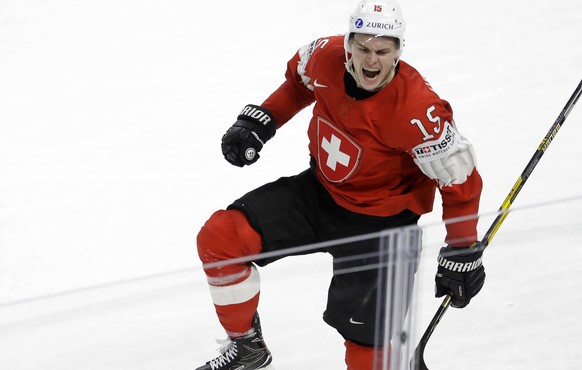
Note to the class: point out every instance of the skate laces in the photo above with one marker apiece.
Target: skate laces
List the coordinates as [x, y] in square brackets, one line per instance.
[228, 352]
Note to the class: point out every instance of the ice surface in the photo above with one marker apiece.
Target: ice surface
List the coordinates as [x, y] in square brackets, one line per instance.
[110, 119]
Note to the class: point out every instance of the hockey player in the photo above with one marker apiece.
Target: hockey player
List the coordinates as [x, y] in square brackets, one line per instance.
[381, 142]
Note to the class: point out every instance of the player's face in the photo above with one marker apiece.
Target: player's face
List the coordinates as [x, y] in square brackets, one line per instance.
[373, 60]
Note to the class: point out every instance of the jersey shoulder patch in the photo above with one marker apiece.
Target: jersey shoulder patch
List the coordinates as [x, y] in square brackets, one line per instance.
[306, 53]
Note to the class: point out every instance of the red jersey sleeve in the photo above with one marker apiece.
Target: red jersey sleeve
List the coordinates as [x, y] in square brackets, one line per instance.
[460, 209]
[437, 137]
[293, 95]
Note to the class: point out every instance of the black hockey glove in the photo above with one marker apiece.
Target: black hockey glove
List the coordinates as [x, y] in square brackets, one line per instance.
[243, 141]
[460, 273]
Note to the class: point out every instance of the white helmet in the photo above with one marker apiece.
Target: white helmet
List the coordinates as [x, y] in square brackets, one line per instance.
[379, 18]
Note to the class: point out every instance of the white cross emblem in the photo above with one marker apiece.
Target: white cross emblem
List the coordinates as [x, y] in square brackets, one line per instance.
[338, 155]
[335, 155]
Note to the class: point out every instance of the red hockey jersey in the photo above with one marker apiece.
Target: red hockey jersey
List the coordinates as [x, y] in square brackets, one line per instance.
[364, 149]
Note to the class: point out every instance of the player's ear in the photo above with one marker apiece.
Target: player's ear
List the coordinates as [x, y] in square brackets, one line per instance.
[349, 47]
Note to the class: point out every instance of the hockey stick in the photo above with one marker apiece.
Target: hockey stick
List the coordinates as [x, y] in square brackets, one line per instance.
[418, 358]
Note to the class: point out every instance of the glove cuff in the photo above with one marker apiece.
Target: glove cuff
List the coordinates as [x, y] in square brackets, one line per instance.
[260, 116]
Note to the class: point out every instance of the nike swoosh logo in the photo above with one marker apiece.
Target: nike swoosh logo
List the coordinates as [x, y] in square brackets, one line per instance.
[316, 84]
[352, 321]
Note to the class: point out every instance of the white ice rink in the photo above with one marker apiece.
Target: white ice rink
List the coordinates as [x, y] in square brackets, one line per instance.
[111, 113]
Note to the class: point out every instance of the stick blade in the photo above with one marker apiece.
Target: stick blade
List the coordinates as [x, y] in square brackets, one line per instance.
[417, 361]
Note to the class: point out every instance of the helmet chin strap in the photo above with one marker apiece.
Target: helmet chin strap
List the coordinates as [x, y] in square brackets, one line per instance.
[350, 69]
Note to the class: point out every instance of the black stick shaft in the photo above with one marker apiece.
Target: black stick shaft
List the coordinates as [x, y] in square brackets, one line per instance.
[533, 162]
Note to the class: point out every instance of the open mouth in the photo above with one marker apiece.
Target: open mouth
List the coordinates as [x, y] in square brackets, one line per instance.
[370, 73]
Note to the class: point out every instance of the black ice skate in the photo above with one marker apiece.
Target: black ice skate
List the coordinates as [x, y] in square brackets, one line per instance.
[245, 353]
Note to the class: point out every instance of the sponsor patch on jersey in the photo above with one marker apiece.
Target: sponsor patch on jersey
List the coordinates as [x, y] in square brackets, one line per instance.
[305, 53]
[444, 146]
[338, 155]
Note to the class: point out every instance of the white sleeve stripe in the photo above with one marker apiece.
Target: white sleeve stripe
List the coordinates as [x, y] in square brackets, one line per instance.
[237, 293]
